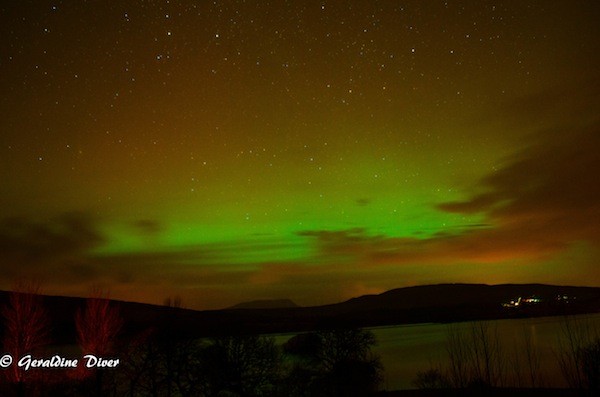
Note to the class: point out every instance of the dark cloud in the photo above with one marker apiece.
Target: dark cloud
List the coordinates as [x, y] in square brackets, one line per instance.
[362, 202]
[62, 253]
[544, 201]
[79, 272]
[335, 235]
[343, 244]
[24, 242]
[550, 185]
[541, 204]
[148, 227]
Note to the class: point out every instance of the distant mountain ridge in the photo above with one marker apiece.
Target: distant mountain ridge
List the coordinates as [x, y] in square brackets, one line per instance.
[449, 295]
[420, 304]
[266, 304]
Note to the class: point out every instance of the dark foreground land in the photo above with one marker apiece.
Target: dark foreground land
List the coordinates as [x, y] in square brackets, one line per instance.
[500, 392]
[442, 303]
[169, 350]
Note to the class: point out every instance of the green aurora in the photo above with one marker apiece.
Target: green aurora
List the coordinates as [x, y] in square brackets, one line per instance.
[231, 151]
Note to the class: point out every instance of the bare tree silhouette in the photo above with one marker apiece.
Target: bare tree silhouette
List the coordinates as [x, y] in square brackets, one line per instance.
[97, 325]
[579, 353]
[27, 329]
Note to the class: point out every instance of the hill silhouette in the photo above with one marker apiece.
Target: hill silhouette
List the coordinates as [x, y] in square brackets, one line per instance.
[266, 304]
[453, 295]
[431, 303]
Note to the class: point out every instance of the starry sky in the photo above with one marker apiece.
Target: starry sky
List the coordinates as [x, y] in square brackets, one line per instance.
[226, 151]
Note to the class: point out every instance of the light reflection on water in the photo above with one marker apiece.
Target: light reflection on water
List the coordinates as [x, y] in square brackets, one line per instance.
[406, 350]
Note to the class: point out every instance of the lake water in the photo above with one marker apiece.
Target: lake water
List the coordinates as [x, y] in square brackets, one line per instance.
[406, 350]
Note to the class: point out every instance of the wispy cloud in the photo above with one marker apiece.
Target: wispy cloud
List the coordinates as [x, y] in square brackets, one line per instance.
[542, 203]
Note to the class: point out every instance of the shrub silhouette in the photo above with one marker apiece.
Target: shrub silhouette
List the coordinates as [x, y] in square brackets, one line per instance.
[432, 378]
[590, 365]
[242, 365]
[160, 365]
[333, 363]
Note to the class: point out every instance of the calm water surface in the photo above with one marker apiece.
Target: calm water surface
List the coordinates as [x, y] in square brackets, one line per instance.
[406, 350]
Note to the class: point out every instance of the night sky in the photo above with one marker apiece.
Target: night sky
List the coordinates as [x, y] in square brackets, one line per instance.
[229, 151]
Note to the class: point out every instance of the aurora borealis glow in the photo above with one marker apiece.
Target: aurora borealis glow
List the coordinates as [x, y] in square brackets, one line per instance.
[235, 150]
